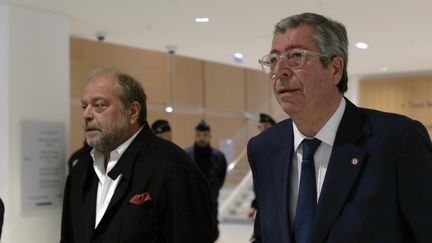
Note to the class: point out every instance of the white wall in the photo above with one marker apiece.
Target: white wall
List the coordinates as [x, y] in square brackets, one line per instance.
[34, 85]
[4, 100]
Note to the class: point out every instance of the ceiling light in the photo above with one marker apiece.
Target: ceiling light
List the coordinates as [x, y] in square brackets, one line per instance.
[202, 19]
[361, 45]
[231, 166]
[238, 57]
[168, 109]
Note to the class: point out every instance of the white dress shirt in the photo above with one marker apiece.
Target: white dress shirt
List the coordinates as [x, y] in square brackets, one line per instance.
[327, 136]
[106, 185]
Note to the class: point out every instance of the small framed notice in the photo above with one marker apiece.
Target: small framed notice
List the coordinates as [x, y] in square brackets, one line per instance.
[43, 150]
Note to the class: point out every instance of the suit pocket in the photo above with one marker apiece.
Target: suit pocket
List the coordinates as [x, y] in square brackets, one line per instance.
[349, 226]
[364, 220]
[139, 223]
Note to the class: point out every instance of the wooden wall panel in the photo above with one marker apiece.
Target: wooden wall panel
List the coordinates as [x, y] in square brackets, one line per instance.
[225, 127]
[156, 114]
[187, 81]
[79, 76]
[149, 68]
[196, 89]
[409, 96]
[258, 90]
[183, 126]
[224, 87]
[76, 130]
[77, 49]
[102, 54]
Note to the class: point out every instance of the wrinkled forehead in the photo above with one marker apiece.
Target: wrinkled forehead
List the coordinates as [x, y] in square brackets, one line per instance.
[301, 36]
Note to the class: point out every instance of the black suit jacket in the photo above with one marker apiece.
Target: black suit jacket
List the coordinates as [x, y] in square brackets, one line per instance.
[179, 210]
[2, 209]
[386, 197]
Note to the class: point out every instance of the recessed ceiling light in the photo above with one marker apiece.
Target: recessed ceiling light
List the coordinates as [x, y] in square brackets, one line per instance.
[202, 19]
[238, 57]
[361, 45]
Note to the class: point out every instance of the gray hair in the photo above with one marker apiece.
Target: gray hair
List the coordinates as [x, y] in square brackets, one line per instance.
[330, 36]
[130, 90]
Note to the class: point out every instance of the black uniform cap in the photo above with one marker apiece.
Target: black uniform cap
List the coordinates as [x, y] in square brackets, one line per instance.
[202, 126]
[266, 118]
[160, 126]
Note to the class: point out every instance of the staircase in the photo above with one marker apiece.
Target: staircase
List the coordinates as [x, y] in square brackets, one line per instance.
[237, 193]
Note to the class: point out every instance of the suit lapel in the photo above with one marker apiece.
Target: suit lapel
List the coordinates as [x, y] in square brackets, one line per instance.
[345, 163]
[85, 199]
[125, 167]
[281, 158]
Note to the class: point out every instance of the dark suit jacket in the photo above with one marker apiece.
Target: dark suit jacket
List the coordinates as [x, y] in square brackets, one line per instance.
[179, 210]
[386, 197]
[2, 209]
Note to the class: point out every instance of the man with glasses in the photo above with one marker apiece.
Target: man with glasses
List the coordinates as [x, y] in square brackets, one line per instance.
[334, 172]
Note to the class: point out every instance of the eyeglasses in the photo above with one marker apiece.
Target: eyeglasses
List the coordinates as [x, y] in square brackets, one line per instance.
[293, 58]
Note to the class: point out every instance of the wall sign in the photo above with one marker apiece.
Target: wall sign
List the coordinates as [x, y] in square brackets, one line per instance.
[43, 150]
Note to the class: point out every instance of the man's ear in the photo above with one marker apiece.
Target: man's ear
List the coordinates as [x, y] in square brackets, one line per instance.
[337, 67]
[135, 111]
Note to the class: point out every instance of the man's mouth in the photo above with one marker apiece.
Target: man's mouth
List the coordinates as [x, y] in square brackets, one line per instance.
[287, 90]
[91, 129]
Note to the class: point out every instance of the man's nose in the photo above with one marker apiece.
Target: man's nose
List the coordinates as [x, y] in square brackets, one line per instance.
[88, 113]
[281, 69]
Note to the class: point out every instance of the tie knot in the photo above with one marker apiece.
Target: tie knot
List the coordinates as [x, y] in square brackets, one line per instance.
[309, 147]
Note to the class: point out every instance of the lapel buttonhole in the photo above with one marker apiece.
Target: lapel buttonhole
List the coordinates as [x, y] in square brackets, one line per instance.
[355, 161]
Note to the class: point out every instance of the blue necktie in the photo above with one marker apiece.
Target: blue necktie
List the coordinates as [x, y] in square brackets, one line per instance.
[307, 198]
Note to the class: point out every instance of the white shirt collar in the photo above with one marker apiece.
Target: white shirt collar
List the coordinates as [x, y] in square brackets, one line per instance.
[327, 133]
[98, 158]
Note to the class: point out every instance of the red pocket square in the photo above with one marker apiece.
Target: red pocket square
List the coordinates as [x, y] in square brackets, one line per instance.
[140, 198]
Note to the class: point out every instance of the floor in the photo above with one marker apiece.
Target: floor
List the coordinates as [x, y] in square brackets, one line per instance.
[235, 232]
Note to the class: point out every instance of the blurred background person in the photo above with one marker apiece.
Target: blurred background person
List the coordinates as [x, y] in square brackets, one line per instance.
[211, 162]
[265, 122]
[162, 129]
[81, 152]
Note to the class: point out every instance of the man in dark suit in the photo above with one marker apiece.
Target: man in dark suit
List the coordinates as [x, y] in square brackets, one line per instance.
[133, 186]
[265, 122]
[2, 209]
[334, 172]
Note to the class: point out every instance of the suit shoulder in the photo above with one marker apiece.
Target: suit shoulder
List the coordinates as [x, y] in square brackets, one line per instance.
[280, 129]
[167, 155]
[166, 149]
[218, 152]
[394, 125]
[82, 164]
[189, 150]
[388, 119]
